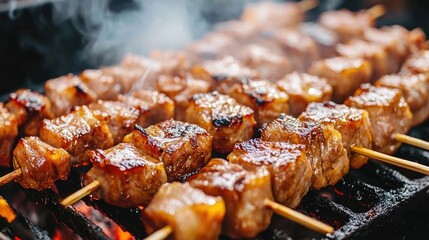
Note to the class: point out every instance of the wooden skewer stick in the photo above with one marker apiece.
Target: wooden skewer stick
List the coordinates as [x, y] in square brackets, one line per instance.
[376, 11]
[411, 141]
[81, 193]
[10, 176]
[306, 5]
[391, 160]
[298, 217]
[161, 234]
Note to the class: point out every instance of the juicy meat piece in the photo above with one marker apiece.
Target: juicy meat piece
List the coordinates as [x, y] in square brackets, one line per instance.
[127, 177]
[290, 171]
[388, 112]
[145, 70]
[40, 163]
[29, 108]
[302, 89]
[345, 75]
[121, 117]
[244, 193]
[324, 147]
[191, 213]
[261, 95]
[353, 124]
[417, 63]
[106, 87]
[66, 92]
[273, 14]
[325, 38]
[213, 46]
[184, 148]
[125, 76]
[223, 118]
[180, 89]
[172, 62]
[78, 132]
[415, 90]
[154, 107]
[8, 133]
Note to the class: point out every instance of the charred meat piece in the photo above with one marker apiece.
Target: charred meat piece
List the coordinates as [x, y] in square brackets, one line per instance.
[324, 147]
[78, 132]
[244, 193]
[389, 114]
[125, 76]
[127, 177]
[180, 89]
[212, 47]
[345, 75]
[106, 87]
[184, 148]
[40, 163]
[8, 134]
[66, 92]
[154, 107]
[415, 90]
[290, 171]
[325, 38]
[191, 213]
[273, 14]
[417, 63]
[29, 108]
[353, 124]
[121, 117]
[223, 118]
[302, 89]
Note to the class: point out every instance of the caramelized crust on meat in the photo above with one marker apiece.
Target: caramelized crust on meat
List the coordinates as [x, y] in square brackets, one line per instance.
[66, 92]
[273, 14]
[106, 87]
[125, 76]
[214, 45]
[191, 213]
[417, 63]
[172, 62]
[325, 38]
[154, 107]
[29, 108]
[353, 124]
[40, 163]
[121, 117]
[127, 177]
[388, 112]
[8, 133]
[290, 171]
[345, 75]
[324, 147]
[78, 132]
[183, 148]
[223, 118]
[302, 89]
[244, 193]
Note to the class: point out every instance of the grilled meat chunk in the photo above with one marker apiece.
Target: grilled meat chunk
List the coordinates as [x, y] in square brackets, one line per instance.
[29, 108]
[125, 76]
[273, 14]
[223, 118]
[191, 213]
[290, 170]
[78, 132]
[184, 148]
[127, 177]
[244, 193]
[388, 112]
[172, 62]
[154, 107]
[303, 88]
[40, 163]
[417, 63]
[213, 46]
[345, 75]
[8, 133]
[324, 147]
[121, 117]
[325, 38]
[106, 87]
[66, 92]
[353, 124]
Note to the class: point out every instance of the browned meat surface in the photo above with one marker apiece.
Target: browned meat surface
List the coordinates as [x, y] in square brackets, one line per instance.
[273, 14]
[29, 108]
[244, 193]
[8, 133]
[184, 148]
[415, 90]
[223, 118]
[121, 117]
[325, 38]
[389, 114]
[172, 62]
[213, 46]
[290, 170]
[40, 163]
[302, 89]
[343, 74]
[180, 89]
[66, 92]
[191, 213]
[125, 76]
[417, 63]
[353, 124]
[154, 107]
[142, 71]
[127, 177]
[106, 87]
[324, 148]
[261, 95]
[78, 132]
